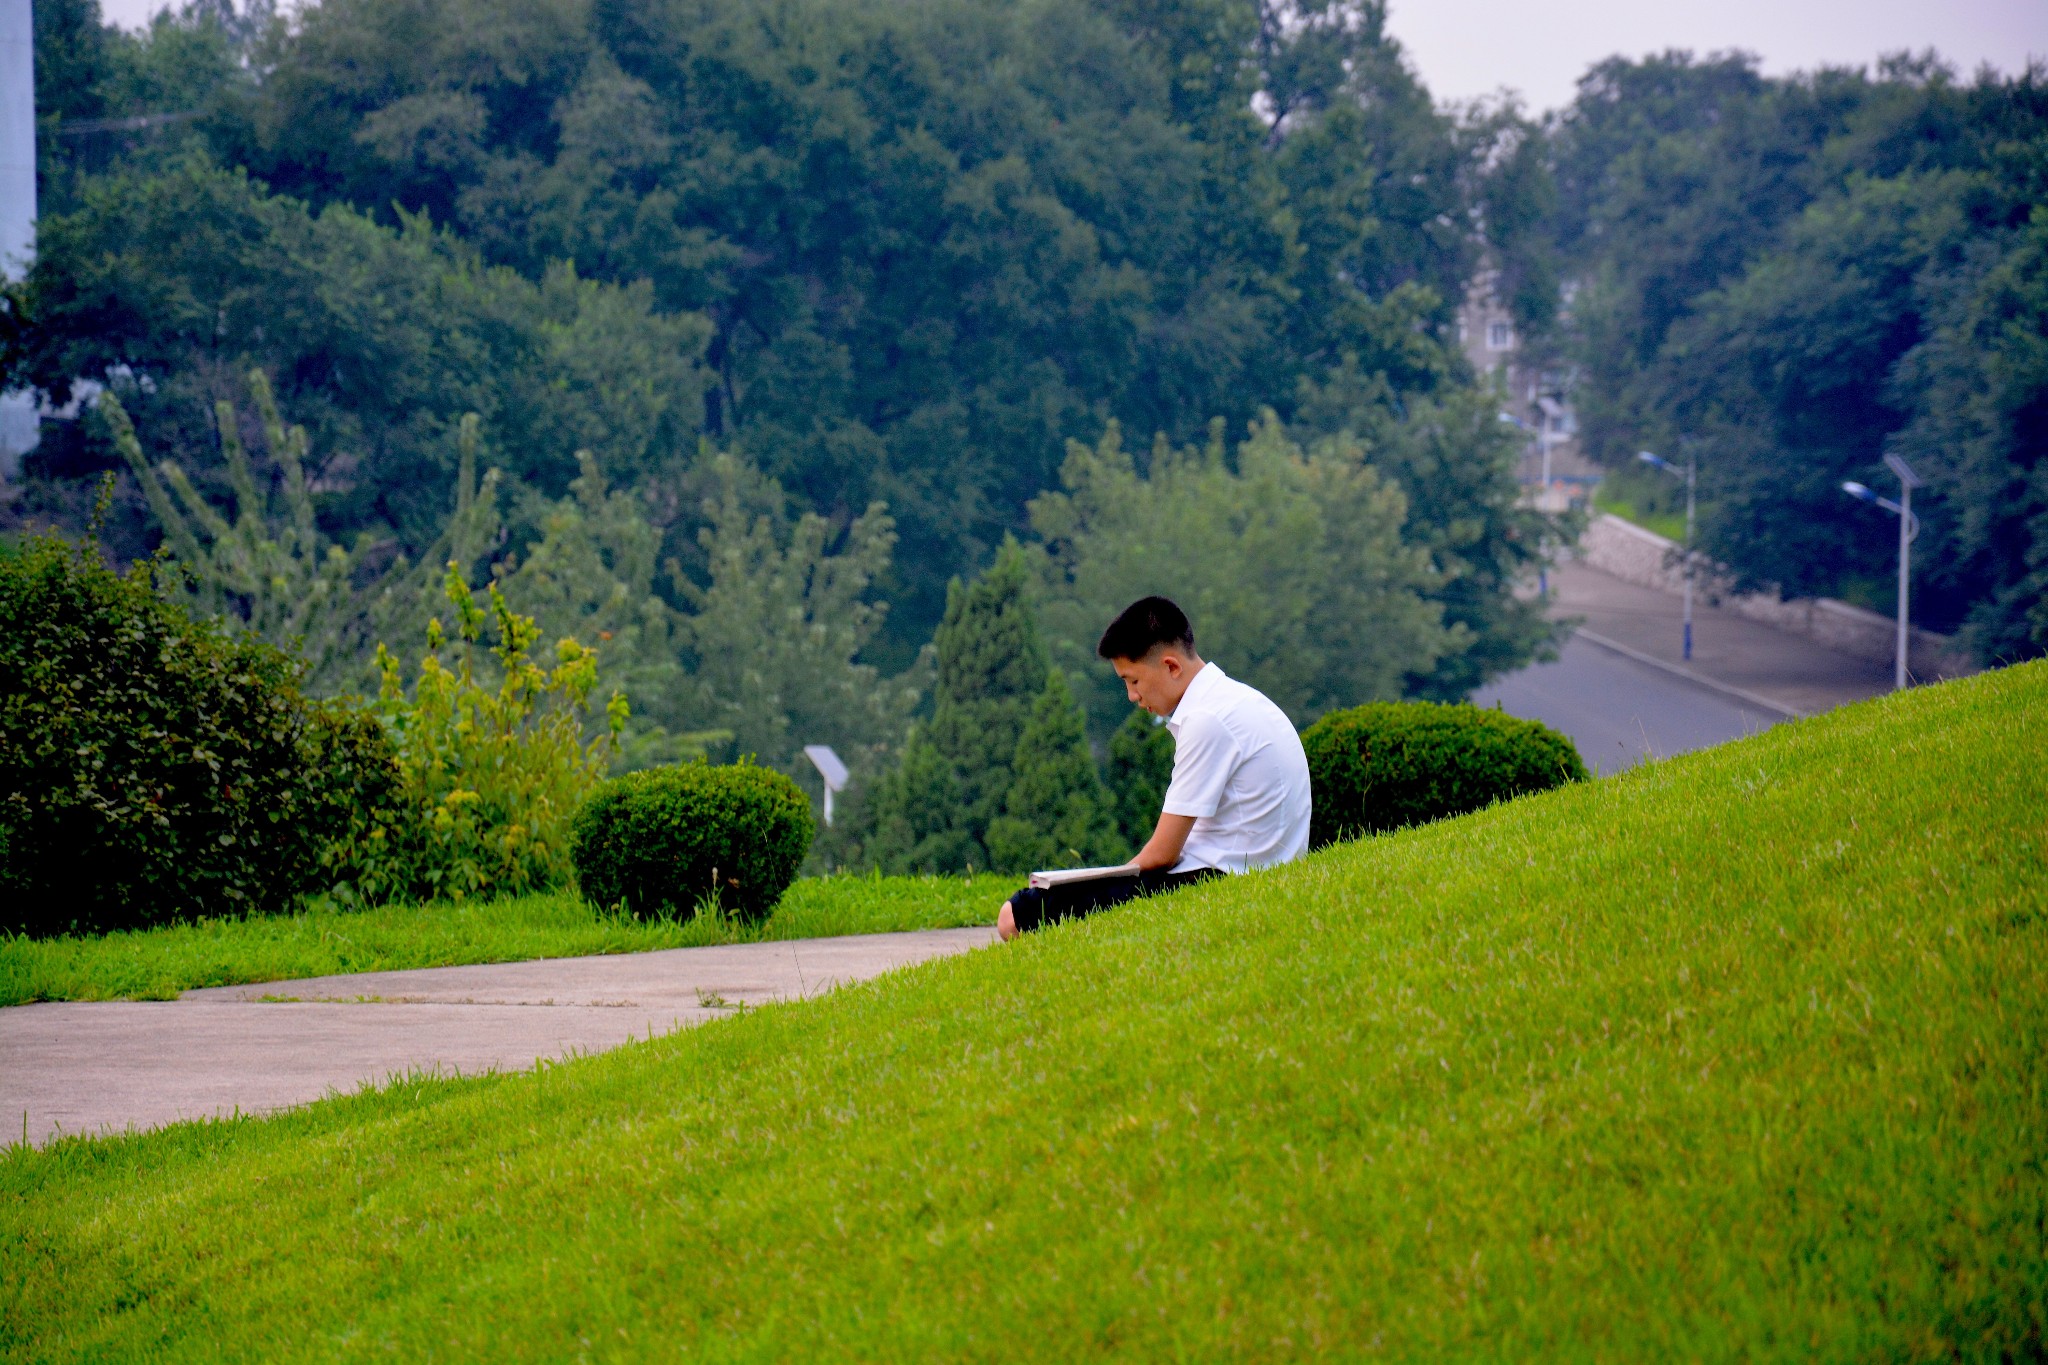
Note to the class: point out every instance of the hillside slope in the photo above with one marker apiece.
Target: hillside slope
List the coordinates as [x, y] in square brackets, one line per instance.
[1739, 1054]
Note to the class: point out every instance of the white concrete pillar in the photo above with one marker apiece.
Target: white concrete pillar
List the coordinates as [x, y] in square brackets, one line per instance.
[18, 422]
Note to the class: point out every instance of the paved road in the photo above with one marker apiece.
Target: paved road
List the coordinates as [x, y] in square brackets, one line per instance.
[1789, 670]
[1620, 711]
[1624, 692]
[90, 1068]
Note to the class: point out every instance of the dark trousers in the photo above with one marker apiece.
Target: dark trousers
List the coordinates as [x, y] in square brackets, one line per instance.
[1034, 906]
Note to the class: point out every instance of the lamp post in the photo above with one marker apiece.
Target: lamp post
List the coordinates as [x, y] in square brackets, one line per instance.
[1691, 477]
[1909, 528]
[1543, 566]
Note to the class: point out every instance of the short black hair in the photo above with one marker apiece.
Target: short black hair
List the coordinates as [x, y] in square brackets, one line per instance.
[1143, 626]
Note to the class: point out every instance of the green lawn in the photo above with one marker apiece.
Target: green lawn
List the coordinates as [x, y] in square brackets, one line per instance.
[156, 964]
[1741, 1055]
[1617, 502]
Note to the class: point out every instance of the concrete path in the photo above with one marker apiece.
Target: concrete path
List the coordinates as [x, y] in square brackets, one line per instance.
[92, 1068]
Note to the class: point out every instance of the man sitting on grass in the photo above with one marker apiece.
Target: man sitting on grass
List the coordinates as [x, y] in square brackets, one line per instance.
[1239, 798]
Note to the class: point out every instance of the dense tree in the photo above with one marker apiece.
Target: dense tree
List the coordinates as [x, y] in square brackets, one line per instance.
[1977, 389]
[1779, 377]
[932, 242]
[756, 653]
[592, 573]
[106, 96]
[885, 257]
[1454, 461]
[773, 636]
[1290, 563]
[1056, 811]
[1511, 194]
[1789, 278]
[933, 811]
[267, 567]
[174, 284]
[1136, 770]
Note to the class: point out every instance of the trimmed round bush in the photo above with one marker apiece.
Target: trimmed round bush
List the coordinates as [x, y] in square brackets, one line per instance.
[1390, 764]
[666, 839]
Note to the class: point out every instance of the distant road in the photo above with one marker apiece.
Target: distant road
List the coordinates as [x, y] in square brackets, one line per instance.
[1609, 694]
[1620, 712]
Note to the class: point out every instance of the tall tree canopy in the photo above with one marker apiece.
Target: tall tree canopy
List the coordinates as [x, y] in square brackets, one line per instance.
[1791, 277]
[1291, 565]
[915, 248]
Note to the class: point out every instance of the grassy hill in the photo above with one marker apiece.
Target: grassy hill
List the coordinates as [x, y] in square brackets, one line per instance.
[1744, 1054]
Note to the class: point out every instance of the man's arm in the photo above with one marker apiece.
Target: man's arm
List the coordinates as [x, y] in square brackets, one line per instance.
[1162, 850]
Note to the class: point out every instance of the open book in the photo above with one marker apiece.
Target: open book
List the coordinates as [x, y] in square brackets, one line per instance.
[1082, 874]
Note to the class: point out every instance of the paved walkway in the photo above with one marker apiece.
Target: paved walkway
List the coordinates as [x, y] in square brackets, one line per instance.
[91, 1068]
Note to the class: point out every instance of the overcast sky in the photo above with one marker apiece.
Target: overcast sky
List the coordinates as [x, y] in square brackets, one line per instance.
[1470, 48]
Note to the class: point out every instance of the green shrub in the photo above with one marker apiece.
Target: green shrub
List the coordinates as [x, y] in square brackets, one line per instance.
[665, 839]
[1391, 764]
[490, 771]
[366, 812]
[155, 767]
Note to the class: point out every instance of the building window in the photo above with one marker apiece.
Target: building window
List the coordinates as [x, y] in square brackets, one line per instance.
[1499, 336]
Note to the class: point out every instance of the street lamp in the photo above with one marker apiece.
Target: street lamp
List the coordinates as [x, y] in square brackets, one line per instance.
[1691, 476]
[1541, 437]
[1909, 527]
[1543, 567]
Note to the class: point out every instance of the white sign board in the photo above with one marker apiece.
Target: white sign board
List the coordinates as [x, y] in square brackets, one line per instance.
[830, 768]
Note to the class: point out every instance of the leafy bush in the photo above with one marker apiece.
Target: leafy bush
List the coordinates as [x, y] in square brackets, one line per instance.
[153, 766]
[366, 813]
[665, 839]
[489, 776]
[1390, 764]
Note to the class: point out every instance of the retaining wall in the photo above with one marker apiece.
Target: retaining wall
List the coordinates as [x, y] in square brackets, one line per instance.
[1635, 555]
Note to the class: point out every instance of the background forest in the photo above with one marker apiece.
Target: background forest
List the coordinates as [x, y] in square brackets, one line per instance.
[728, 335]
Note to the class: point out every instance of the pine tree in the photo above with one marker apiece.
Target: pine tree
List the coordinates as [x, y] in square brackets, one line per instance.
[933, 812]
[909, 820]
[1056, 812]
[1139, 767]
[991, 668]
[778, 618]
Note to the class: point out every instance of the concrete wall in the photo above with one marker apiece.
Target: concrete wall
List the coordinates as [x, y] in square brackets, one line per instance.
[1634, 555]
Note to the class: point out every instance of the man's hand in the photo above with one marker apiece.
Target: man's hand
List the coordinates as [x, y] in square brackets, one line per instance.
[1162, 850]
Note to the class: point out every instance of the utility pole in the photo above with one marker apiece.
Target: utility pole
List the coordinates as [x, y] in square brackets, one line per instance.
[1543, 563]
[1692, 479]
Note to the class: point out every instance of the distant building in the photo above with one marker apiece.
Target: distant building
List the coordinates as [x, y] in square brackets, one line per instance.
[1535, 388]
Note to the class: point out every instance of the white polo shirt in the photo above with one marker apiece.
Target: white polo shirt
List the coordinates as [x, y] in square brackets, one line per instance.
[1238, 768]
